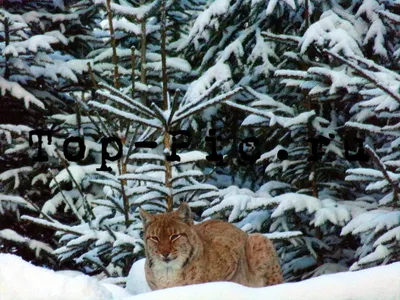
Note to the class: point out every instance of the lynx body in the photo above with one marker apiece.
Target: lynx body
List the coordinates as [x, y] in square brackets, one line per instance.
[181, 253]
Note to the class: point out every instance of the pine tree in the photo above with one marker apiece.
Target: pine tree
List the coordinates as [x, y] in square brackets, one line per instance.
[322, 93]
[41, 69]
[105, 235]
[331, 79]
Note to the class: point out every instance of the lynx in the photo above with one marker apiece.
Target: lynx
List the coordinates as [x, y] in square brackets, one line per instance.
[181, 253]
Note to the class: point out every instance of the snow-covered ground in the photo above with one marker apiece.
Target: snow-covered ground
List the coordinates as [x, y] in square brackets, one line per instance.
[19, 280]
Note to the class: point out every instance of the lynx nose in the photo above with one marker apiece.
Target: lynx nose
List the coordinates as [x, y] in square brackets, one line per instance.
[165, 256]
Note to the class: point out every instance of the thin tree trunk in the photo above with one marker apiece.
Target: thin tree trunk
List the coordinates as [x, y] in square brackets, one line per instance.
[168, 172]
[7, 42]
[314, 184]
[121, 162]
[143, 78]
[306, 13]
[113, 45]
[164, 55]
[382, 168]
[133, 66]
[167, 144]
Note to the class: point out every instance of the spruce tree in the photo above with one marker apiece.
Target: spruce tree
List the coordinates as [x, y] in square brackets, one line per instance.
[43, 44]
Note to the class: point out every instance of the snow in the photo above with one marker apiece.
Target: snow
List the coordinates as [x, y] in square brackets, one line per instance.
[267, 101]
[15, 200]
[15, 173]
[283, 235]
[192, 156]
[129, 116]
[264, 50]
[57, 69]
[19, 280]
[254, 120]
[107, 54]
[298, 202]
[379, 283]
[377, 32]
[194, 188]
[364, 127]
[7, 129]
[32, 44]
[37, 246]
[185, 113]
[175, 63]
[136, 282]
[378, 219]
[300, 119]
[271, 6]
[117, 292]
[328, 268]
[273, 3]
[380, 253]
[218, 73]
[332, 212]
[206, 19]
[19, 92]
[381, 102]
[235, 48]
[124, 25]
[339, 79]
[36, 16]
[338, 33]
[59, 3]
[139, 13]
[78, 173]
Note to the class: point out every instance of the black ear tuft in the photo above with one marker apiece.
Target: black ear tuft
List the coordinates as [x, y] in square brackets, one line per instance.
[146, 217]
[185, 214]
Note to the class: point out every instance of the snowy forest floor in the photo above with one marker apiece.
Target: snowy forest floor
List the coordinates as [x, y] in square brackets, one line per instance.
[19, 280]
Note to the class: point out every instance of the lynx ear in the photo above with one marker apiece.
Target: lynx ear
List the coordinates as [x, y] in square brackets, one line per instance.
[146, 217]
[184, 213]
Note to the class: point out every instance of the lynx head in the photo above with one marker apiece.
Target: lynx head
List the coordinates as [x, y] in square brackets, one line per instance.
[169, 237]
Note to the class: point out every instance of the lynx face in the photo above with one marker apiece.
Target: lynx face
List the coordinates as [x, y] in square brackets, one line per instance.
[167, 238]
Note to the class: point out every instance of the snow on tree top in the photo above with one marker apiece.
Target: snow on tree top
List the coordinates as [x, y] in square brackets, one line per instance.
[139, 13]
[124, 25]
[38, 16]
[19, 92]
[392, 234]
[378, 219]
[33, 44]
[337, 32]
[192, 156]
[298, 202]
[207, 19]
[267, 101]
[15, 199]
[218, 73]
[380, 253]
[336, 214]
[172, 62]
[273, 3]
[78, 172]
[377, 33]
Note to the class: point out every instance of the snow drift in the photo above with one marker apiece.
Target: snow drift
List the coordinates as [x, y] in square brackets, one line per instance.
[378, 283]
[19, 280]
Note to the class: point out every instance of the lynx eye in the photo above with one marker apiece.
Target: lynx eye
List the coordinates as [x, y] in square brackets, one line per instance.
[154, 239]
[174, 237]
